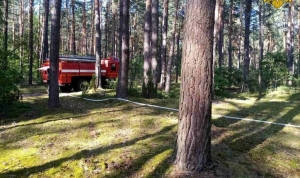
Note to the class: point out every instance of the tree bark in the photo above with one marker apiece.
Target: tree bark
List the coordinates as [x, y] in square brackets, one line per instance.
[31, 5]
[193, 141]
[247, 45]
[53, 101]
[124, 62]
[164, 43]
[171, 54]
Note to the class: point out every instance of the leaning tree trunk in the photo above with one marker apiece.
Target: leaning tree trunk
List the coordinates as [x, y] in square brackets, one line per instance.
[98, 44]
[193, 141]
[171, 54]
[247, 45]
[164, 44]
[53, 101]
[31, 4]
[124, 62]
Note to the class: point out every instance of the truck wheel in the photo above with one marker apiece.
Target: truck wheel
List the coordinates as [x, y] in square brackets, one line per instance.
[80, 85]
[65, 88]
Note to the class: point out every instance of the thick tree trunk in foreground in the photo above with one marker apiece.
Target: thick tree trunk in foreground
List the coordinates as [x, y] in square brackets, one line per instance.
[53, 101]
[124, 62]
[193, 142]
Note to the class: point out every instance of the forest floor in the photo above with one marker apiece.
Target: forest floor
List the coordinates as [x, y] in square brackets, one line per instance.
[119, 139]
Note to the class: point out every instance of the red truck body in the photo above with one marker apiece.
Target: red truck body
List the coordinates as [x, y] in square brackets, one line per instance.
[74, 70]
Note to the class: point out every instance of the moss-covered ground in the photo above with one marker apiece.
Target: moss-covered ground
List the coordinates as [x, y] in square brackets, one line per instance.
[118, 139]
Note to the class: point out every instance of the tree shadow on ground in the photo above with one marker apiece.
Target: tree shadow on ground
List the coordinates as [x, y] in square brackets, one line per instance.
[87, 153]
[245, 136]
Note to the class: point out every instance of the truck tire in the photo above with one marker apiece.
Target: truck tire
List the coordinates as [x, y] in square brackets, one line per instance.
[80, 85]
[67, 88]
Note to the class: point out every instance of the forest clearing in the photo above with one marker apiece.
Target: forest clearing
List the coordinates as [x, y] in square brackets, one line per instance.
[118, 139]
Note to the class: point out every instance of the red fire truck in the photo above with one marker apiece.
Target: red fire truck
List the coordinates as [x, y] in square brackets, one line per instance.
[75, 70]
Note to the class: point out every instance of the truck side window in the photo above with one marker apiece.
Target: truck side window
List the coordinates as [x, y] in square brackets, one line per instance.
[113, 67]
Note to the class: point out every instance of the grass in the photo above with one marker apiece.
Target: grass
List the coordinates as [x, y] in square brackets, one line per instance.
[118, 139]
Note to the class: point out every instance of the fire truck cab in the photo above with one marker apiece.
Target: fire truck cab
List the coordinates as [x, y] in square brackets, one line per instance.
[75, 70]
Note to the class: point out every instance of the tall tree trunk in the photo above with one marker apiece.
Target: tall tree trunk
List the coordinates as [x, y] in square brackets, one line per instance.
[177, 61]
[68, 28]
[298, 68]
[53, 101]
[154, 33]
[120, 29]
[148, 86]
[230, 29]
[290, 42]
[98, 43]
[217, 28]
[45, 31]
[247, 45]
[31, 5]
[261, 47]
[124, 62]
[73, 48]
[21, 33]
[221, 35]
[113, 37]
[171, 54]
[241, 33]
[106, 30]
[92, 52]
[84, 31]
[164, 43]
[194, 137]
[5, 42]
